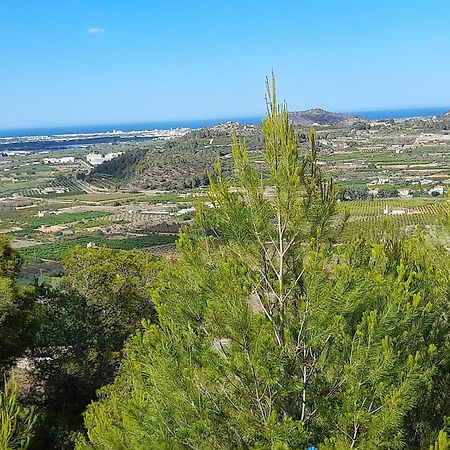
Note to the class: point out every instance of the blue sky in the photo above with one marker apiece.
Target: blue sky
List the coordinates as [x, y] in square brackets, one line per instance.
[102, 61]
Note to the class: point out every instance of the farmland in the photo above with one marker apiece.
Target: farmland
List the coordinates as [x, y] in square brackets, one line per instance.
[141, 198]
[56, 251]
[59, 219]
[368, 218]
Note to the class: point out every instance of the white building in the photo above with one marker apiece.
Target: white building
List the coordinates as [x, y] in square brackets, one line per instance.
[64, 160]
[439, 190]
[396, 211]
[404, 193]
[96, 158]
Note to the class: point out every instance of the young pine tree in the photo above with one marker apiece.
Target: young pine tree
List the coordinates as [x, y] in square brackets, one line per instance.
[270, 335]
[16, 422]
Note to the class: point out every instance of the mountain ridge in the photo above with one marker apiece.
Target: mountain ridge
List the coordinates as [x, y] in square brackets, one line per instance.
[322, 117]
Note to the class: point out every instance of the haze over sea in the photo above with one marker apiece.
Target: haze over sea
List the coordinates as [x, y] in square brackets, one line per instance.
[203, 123]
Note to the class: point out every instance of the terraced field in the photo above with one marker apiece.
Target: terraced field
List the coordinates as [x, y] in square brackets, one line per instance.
[368, 218]
[52, 189]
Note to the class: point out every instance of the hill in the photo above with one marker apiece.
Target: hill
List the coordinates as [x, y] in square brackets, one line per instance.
[322, 117]
[179, 163]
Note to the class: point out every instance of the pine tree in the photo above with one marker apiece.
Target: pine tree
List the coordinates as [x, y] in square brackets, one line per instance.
[17, 308]
[442, 442]
[271, 334]
[16, 422]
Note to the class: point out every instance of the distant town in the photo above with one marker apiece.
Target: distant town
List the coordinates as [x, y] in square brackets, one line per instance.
[24, 144]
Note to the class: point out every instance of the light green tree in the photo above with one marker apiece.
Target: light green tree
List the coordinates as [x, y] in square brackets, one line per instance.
[273, 335]
[16, 422]
[442, 443]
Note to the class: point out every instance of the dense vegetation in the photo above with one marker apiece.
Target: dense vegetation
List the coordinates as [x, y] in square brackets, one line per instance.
[17, 328]
[17, 307]
[272, 330]
[287, 339]
[177, 164]
[73, 337]
[84, 324]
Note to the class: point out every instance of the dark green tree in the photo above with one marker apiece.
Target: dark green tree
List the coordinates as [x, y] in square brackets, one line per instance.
[85, 322]
[17, 330]
[17, 307]
[387, 192]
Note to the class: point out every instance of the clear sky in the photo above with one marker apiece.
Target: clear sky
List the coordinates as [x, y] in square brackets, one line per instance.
[103, 61]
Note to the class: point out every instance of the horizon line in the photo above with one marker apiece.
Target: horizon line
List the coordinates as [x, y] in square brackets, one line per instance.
[216, 119]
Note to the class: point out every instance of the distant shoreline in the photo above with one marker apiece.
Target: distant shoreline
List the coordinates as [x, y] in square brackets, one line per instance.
[127, 127]
[403, 113]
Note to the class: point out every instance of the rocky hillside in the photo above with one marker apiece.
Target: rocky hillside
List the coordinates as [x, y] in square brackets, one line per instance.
[322, 117]
[180, 163]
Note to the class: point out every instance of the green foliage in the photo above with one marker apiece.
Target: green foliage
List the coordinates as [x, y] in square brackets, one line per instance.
[16, 422]
[442, 442]
[115, 284]
[17, 307]
[214, 373]
[352, 193]
[387, 192]
[272, 336]
[17, 331]
[101, 301]
[10, 260]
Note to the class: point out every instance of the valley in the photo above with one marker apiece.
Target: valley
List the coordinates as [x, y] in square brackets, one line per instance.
[137, 194]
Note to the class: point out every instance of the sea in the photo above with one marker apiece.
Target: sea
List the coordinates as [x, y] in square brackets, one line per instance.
[405, 113]
[142, 126]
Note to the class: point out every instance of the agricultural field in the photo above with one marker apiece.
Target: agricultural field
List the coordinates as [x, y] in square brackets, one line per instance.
[370, 218]
[45, 229]
[26, 175]
[44, 223]
[54, 200]
[56, 251]
[412, 154]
